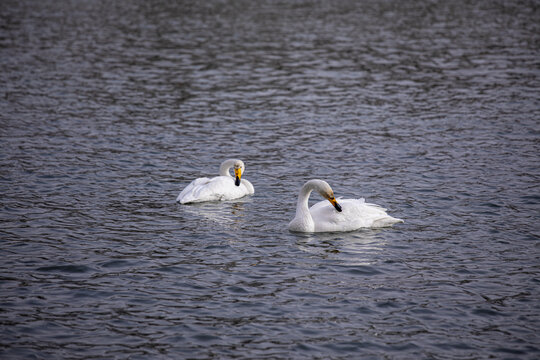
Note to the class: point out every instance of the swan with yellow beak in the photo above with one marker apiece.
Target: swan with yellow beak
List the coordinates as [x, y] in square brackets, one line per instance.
[345, 215]
[219, 188]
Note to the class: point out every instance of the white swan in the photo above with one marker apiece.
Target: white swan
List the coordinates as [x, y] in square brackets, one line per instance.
[352, 214]
[222, 187]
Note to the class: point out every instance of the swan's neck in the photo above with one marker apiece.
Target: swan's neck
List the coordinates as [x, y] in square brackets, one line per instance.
[224, 168]
[303, 221]
[303, 198]
[302, 208]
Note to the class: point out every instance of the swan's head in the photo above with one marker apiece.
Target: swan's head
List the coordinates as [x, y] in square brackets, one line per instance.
[237, 165]
[238, 171]
[326, 192]
[330, 197]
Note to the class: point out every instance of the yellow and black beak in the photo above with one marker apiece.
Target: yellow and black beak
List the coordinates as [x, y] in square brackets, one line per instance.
[237, 175]
[334, 202]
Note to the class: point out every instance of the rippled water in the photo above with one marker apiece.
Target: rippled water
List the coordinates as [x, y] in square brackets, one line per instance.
[108, 109]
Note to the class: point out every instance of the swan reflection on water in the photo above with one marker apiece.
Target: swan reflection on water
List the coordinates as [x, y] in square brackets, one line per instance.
[222, 214]
[353, 248]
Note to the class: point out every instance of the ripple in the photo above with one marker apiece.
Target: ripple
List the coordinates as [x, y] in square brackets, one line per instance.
[75, 269]
[427, 108]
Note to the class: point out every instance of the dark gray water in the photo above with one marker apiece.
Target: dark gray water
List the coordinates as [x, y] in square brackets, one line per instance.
[108, 109]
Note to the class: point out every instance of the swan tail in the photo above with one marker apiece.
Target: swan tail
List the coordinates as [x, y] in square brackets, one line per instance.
[386, 221]
[190, 193]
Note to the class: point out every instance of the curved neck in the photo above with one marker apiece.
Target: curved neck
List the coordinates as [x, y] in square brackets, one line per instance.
[302, 207]
[225, 166]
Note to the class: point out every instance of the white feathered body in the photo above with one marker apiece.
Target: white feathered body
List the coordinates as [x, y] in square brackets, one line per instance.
[355, 214]
[218, 188]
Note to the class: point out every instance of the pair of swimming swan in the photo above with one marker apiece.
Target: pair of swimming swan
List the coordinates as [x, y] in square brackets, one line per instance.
[347, 215]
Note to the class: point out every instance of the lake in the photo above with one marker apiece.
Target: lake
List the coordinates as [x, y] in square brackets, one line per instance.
[108, 110]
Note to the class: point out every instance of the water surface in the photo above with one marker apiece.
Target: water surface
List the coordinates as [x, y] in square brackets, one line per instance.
[107, 110]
